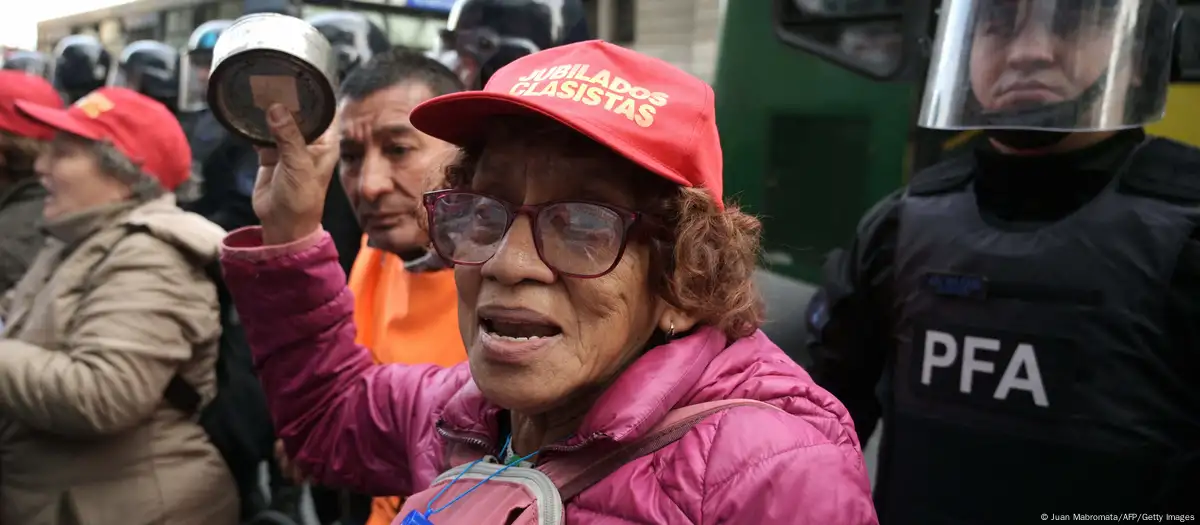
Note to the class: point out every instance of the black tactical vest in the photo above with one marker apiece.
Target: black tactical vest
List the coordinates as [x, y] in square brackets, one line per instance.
[1032, 368]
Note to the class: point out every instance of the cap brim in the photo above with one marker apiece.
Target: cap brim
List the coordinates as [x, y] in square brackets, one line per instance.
[459, 118]
[59, 119]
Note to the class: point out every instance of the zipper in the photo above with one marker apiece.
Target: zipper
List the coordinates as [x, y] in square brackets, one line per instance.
[572, 448]
[546, 497]
[469, 439]
[483, 444]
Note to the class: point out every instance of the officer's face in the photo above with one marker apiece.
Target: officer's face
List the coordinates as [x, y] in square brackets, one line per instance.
[1036, 52]
[71, 173]
[387, 164]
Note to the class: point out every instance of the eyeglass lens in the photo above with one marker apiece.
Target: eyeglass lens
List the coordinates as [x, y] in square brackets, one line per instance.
[575, 238]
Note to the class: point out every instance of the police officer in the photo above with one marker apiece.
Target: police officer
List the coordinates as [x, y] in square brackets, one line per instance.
[225, 164]
[80, 66]
[150, 68]
[354, 37]
[1024, 317]
[484, 35]
[196, 64]
[30, 62]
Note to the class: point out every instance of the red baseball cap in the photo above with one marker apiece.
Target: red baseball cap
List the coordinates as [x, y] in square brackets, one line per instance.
[641, 107]
[138, 126]
[18, 85]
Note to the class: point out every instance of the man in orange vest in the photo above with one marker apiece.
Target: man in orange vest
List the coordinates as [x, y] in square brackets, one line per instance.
[406, 306]
[405, 301]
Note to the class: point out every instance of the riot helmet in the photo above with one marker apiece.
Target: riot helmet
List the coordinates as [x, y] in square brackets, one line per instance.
[81, 66]
[31, 62]
[353, 37]
[1032, 71]
[150, 68]
[483, 36]
[196, 63]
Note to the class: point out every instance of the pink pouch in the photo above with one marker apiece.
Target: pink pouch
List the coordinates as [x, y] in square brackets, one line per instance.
[536, 496]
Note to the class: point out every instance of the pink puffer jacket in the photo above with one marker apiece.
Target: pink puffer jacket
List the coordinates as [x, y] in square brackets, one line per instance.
[375, 428]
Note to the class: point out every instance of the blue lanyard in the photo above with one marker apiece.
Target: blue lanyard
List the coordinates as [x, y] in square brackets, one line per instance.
[430, 511]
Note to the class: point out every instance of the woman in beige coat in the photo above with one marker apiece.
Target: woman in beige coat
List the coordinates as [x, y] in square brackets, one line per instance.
[115, 306]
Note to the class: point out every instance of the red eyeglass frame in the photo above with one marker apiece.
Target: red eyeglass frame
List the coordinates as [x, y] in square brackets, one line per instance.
[629, 219]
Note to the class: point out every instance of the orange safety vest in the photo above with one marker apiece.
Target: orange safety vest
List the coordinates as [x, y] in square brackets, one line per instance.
[403, 317]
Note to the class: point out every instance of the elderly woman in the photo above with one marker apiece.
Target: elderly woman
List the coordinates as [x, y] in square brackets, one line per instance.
[116, 307]
[604, 297]
[21, 141]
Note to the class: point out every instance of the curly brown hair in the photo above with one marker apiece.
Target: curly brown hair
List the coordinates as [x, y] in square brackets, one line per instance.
[703, 260]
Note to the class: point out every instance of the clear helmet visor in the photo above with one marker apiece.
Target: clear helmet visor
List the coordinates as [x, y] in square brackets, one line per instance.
[194, 69]
[1049, 65]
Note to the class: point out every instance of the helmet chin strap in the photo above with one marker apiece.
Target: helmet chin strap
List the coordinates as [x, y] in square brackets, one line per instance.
[1025, 127]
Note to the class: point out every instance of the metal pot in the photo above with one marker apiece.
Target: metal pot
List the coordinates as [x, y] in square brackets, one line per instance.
[265, 59]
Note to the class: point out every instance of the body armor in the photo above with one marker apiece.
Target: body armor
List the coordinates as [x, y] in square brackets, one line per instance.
[1034, 369]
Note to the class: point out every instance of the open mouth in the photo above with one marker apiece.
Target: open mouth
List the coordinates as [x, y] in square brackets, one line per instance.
[518, 330]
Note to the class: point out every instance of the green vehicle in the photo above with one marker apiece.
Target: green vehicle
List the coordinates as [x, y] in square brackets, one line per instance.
[817, 103]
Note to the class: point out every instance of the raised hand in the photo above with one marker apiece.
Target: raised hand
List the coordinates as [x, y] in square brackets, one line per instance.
[289, 193]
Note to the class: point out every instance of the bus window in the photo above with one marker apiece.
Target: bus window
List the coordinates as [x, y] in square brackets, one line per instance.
[864, 36]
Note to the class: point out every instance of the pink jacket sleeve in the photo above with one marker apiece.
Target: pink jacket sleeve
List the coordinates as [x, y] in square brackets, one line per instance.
[809, 486]
[344, 420]
[800, 477]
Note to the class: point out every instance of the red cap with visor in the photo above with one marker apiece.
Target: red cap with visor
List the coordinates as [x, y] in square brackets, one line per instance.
[643, 108]
[139, 127]
[18, 85]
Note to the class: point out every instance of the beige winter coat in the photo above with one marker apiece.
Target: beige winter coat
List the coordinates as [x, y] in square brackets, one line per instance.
[114, 306]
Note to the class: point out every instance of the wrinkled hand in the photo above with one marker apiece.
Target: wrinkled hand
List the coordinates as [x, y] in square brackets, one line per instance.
[293, 177]
[289, 470]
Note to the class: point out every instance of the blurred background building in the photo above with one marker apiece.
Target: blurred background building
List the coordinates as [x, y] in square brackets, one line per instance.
[683, 32]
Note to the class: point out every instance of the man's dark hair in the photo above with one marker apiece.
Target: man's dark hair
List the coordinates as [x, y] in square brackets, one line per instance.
[398, 66]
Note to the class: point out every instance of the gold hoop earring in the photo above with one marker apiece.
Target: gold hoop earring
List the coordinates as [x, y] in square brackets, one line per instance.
[671, 332]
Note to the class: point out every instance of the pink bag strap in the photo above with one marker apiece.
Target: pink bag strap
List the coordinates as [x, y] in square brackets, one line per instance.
[572, 480]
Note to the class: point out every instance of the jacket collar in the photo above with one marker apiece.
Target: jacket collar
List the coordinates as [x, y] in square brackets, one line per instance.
[657, 382]
[75, 227]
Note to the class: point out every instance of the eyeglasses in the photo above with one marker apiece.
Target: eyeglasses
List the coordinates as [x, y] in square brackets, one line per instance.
[574, 238]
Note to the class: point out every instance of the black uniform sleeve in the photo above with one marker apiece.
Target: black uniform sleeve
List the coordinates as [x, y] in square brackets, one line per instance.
[849, 319]
[236, 206]
[1184, 307]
